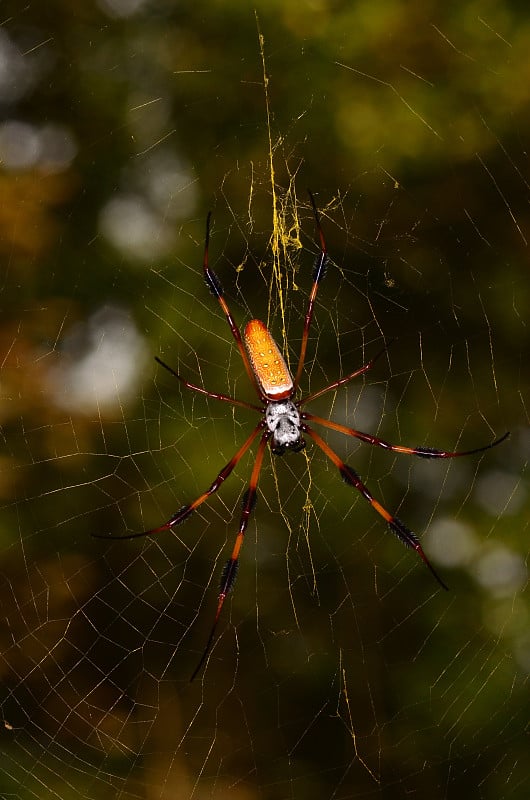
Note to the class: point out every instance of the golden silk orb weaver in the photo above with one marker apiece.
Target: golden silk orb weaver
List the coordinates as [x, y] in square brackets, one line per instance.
[283, 424]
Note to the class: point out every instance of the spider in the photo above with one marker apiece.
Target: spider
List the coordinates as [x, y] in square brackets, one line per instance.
[283, 424]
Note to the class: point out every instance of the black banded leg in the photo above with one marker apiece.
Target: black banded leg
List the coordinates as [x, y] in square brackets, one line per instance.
[350, 477]
[183, 513]
[319, 272]
[214, 285]
[422, 452]
[230, 569]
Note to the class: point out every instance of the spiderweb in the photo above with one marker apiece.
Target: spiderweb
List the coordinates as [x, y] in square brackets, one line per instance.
[340, 669]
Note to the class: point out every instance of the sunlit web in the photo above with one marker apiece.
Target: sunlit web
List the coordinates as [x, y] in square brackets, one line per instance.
[340, 670]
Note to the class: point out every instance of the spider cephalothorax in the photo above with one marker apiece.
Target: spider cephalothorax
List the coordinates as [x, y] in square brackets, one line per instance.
[284, 422]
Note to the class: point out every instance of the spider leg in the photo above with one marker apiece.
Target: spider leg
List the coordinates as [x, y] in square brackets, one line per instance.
[350, 477]
[319, 272]
[230, 569]
[214, 395]
[184, 512]
[345, 379]
[423, 452]
[214, 285]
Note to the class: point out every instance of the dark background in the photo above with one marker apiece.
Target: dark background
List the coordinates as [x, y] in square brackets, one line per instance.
[341, 670]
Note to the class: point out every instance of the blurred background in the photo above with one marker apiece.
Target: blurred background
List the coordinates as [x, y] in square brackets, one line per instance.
[341, 670]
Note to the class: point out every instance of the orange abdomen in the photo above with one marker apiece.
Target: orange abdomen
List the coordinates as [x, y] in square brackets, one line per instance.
[267, 362]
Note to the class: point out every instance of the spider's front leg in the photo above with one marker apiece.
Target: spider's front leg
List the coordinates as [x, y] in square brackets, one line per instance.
[230, 569]
[184, 512]
[350, 477]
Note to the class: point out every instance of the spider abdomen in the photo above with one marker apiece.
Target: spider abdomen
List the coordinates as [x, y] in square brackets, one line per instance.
[268, 364]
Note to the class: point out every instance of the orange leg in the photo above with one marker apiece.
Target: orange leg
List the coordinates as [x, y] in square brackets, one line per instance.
[230, 569]
[423, 452]
[319, 272]
[214, 395]
[184, 512]
[350, 477]
[214, 285]
[345, 379]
